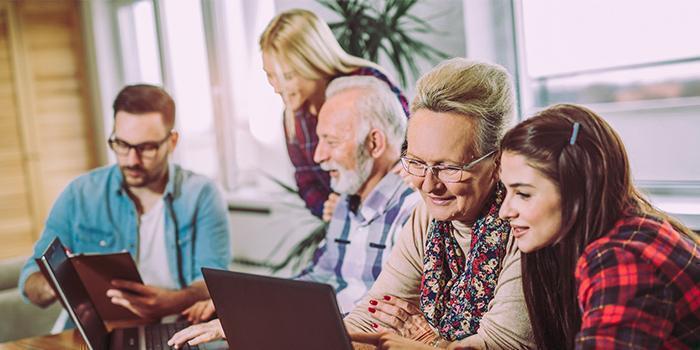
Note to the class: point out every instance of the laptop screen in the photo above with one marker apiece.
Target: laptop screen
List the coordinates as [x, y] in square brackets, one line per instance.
[75, 296]
[303, 315]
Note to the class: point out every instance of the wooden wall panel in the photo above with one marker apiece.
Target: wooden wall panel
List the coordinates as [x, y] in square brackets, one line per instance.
[45, 130]
[16, 219]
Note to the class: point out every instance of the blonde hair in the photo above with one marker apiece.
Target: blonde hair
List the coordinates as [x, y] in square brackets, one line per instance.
[480, 91]
[301, 39]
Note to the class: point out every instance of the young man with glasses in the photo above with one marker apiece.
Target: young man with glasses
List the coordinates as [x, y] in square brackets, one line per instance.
[171, 220]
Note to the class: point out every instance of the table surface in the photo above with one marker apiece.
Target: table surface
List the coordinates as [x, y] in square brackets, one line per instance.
[66, 340]
[70, 339]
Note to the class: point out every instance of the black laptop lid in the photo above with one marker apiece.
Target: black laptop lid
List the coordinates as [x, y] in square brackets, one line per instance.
[75, 296]
[259, 312]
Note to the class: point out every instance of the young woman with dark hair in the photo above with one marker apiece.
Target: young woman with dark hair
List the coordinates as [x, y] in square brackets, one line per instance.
[601, 267]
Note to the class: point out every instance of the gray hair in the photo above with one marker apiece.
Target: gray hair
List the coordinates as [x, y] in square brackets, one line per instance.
[480, 91]
[378, 107]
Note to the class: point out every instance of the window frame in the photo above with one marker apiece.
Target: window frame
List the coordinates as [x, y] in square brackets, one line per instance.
[679, 198]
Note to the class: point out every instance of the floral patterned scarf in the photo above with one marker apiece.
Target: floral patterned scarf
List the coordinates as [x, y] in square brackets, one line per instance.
[455, 291]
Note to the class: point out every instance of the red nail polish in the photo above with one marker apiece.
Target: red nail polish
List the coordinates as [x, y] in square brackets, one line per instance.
[373, 302]
[386, 297]
[375, 325]
[371, 309]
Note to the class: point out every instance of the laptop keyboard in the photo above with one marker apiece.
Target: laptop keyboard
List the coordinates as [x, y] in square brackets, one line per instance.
[157, 335]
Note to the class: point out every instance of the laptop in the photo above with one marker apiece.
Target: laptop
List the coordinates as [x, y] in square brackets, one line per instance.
[75, 298]
[258, 312]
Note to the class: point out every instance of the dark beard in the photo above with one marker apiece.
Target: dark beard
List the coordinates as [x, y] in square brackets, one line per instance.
[146, 178]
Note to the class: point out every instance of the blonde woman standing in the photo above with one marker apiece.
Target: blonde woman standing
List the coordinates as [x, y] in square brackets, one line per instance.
[300, 57]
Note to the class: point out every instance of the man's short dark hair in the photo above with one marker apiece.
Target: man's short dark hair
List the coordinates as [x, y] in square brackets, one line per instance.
[144, 98]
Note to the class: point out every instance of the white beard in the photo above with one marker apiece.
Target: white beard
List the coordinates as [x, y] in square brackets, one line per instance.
[349, 181]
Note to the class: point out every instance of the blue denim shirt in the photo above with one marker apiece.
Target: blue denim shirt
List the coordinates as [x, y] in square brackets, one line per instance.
[94, 214]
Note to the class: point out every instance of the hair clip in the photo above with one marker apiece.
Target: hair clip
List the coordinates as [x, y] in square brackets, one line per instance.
[574, 133]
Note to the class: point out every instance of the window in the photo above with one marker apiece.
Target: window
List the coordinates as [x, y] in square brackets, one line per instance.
[635, 63]
[249, 112]
[187, 79]
[139, 43]
[163, 43]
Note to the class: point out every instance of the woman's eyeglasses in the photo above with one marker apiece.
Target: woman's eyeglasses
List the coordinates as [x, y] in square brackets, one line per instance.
[445, 173]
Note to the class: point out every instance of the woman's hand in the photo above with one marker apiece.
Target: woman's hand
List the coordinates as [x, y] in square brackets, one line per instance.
[197, 334]
[200, 311]
[398, 314]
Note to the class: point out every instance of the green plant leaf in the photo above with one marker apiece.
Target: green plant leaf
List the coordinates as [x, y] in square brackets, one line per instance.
[371, 27]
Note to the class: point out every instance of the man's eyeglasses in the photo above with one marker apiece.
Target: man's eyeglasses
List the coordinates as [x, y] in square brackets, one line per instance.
[144, 149]
[445, 173]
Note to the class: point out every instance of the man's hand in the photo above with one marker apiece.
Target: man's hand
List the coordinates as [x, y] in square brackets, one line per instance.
[329, 206]
[38, 290]
[197, 334]
[153, 302]
[200, 311]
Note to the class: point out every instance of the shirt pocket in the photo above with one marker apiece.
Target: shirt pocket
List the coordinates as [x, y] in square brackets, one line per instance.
[358, 256]
[379, 246]
[185, 233]
[93, 239]
[375, 250]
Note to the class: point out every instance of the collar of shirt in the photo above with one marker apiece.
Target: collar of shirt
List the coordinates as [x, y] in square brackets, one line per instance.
[377, 201]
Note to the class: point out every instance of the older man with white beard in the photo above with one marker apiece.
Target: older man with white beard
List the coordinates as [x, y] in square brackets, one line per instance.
[361, 127]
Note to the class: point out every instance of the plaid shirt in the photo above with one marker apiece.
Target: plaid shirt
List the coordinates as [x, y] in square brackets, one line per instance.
[357, 244]
[639, 288]
[314, 183]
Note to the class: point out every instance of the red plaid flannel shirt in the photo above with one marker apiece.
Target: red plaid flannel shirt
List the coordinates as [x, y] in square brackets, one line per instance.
[639, 288]
[313, 183]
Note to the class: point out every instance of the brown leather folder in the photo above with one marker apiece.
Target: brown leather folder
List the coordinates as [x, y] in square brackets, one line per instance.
[47, 276]
[96, 271]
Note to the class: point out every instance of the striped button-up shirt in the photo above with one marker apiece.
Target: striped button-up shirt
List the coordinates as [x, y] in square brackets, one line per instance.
[357, 244]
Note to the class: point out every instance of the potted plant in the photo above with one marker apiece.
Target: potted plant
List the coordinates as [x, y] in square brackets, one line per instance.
[367, 29]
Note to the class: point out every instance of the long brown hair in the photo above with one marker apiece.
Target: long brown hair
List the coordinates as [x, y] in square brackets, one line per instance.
[589, 165]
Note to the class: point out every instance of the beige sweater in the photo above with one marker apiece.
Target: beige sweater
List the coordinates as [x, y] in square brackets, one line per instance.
[505, 325]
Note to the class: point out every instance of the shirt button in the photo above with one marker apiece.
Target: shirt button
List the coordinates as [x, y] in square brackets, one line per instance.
[103, 243]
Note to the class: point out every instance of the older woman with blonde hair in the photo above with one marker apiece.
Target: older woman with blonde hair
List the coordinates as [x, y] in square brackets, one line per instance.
[300, 57]
[453, 277]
